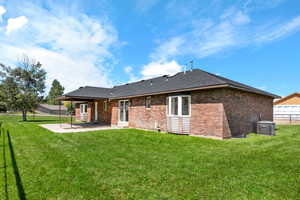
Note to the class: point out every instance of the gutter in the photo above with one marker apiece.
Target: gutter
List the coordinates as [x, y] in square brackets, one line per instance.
[66, 98]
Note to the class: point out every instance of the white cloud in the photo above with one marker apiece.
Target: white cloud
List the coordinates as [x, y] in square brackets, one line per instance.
[172, 47]
[202, 41]
[265, 4]
[232, 29]
[2, 12]
[129, 72]
[75, 49]
[205, 37]
[14, 24]
[241, 18]
[128, 69]
[279, 31]
[154, 69]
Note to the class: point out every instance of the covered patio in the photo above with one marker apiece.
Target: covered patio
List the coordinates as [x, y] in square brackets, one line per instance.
[88, 113]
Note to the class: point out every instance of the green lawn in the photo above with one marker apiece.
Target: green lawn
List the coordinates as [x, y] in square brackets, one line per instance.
[136, 164]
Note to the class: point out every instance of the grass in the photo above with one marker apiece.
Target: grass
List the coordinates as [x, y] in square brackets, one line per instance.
[136, 164]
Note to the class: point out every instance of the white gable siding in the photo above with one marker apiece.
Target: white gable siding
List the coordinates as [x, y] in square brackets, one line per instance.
[291, 112]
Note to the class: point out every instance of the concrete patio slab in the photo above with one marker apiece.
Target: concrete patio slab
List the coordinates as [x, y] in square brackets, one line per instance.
[66, 128]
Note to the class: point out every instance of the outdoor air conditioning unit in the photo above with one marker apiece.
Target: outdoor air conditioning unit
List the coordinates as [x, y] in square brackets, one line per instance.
[266, 128]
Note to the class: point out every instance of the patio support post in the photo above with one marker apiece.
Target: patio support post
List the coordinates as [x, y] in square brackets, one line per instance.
[71, 112]
[59, 112]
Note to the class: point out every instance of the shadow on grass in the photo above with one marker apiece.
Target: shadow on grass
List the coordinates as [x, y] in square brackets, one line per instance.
[20, 187]
[4, 163]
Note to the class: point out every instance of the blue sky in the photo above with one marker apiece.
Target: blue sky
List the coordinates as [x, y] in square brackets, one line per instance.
[104, 43]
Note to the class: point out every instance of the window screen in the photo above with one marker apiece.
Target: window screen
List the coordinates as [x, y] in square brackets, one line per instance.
[185, 106]
[174, 106]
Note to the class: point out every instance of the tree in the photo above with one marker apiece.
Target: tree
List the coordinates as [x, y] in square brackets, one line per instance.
[56, 90]
[69, 106]
[22, 86]
[8, 94]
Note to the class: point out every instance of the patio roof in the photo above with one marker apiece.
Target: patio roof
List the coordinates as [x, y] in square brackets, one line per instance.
[78, 98]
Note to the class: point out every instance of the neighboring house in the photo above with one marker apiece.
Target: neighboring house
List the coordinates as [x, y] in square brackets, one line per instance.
[287, 107]
[192, 102]
[51, 109]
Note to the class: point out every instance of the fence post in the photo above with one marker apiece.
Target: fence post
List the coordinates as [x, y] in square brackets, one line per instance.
[290, 118]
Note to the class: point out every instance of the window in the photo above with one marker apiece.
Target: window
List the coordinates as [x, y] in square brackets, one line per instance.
[179, 105]
[148, 102]
[174, 105]
[105, 106]
[185, 105]
[83, 108]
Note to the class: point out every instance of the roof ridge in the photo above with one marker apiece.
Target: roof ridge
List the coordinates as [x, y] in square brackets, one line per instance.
[234, 83]
[220, 78]
[143, 80]
[96, 87]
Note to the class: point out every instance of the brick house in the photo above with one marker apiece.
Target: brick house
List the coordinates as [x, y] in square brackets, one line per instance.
[193, 102]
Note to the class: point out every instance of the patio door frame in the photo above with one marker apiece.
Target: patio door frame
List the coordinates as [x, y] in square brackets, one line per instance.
[83, 112]
[96, 111]
[124, 122]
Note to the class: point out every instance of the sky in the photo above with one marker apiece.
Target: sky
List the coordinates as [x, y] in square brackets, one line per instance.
[105, 43]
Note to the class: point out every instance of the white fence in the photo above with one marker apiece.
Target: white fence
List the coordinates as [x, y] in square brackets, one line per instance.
[287, 113]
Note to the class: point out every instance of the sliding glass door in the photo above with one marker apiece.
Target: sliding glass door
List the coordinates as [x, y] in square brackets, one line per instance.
[123, 110]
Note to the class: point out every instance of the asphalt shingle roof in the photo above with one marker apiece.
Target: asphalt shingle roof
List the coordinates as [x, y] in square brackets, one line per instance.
[90, 92]
[164, 84]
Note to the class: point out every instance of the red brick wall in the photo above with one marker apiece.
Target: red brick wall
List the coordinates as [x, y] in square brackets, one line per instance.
[234, 110]
[77, 112]
[104, 116]
[90, 111]
[142, 117]
[208, 118]
[217, 112]
[114, 109]
[244, 109]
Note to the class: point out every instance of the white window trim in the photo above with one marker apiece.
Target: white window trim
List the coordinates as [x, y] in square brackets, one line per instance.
[119, 121]
[82, 108]
[179, 105]
[96, 111]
